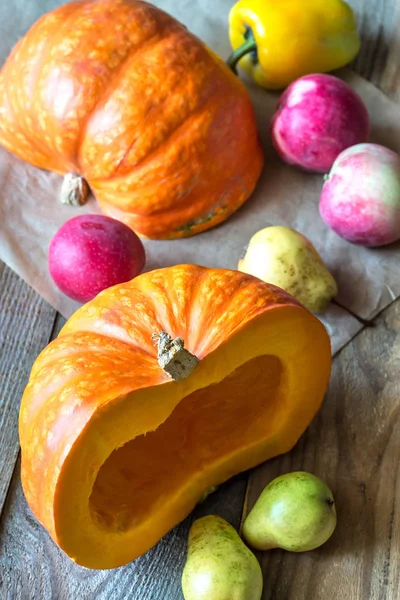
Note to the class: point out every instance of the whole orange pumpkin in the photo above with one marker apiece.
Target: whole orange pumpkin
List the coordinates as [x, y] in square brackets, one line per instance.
[120, 93]
[120, 440]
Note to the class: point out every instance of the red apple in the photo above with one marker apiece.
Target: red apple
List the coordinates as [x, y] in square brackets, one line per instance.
[90, 253]
[318, 117]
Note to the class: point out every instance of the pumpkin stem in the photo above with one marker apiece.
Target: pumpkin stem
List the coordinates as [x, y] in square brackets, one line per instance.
[249, 46]
[74, 190]
[173, 357]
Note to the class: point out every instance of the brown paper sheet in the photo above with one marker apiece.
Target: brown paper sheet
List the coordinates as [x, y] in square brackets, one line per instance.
[30, 212]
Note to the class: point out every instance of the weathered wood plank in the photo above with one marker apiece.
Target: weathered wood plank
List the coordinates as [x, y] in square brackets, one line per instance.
[378, 61]
[389, 81]
[32, 567]
[377, 26]
[353, 445]
[26, 323]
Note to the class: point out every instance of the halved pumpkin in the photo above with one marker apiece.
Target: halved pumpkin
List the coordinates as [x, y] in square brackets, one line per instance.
[115, 452]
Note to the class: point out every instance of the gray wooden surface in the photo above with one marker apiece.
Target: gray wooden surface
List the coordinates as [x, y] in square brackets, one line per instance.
[353, 444]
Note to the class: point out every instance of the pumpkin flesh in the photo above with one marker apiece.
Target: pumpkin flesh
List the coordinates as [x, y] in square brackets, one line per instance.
[123, 453]
[131, 481]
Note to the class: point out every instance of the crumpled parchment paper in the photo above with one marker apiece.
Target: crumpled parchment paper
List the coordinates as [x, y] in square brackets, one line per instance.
[30, 212]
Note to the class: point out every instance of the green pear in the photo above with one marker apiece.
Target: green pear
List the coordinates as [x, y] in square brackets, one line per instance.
[287, 259]
[295, 512]
[219, 566]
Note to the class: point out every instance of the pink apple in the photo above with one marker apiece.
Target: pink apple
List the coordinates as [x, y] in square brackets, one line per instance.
[318, 117]
[360, 199]
[92, 252]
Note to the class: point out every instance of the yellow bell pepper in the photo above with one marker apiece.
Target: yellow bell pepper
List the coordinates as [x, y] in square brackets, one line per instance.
[277, 41]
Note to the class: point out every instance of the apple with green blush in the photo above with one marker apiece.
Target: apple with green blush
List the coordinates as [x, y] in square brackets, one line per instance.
[360, 199]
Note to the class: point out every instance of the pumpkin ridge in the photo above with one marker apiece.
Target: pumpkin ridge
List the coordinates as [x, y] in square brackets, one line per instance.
[16, 123]
[55, 34]
[188, 301]
[240, 301]
[191, 227]
[158, 297]
[57, 362]
[186, 119]
[111, 79]
[205, 214]
[58, 352]
[149, 157]
[36, 144]
[108, 335]
[179, 129]
[116, 73]
[213, 213]
[106, 323]
[198, 297]
[113, 76]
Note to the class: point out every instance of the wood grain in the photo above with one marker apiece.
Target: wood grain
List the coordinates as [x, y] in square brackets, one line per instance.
[377, 27]
[26, 323]
[378, 61]
[353, 445]
[389, 81]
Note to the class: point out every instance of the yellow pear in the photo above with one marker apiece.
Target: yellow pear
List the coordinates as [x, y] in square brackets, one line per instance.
[219, 565]
[286, 258]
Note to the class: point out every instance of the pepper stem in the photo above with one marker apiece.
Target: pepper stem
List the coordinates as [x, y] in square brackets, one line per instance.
[248, 46]
[173, 357]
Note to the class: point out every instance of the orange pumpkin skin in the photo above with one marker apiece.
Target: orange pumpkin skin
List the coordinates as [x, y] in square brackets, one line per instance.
[264, 368]
[122, 94]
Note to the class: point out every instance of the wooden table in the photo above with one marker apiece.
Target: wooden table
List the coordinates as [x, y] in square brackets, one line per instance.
[354, 444]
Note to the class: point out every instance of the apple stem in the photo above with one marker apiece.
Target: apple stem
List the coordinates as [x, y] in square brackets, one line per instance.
[173, 357]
